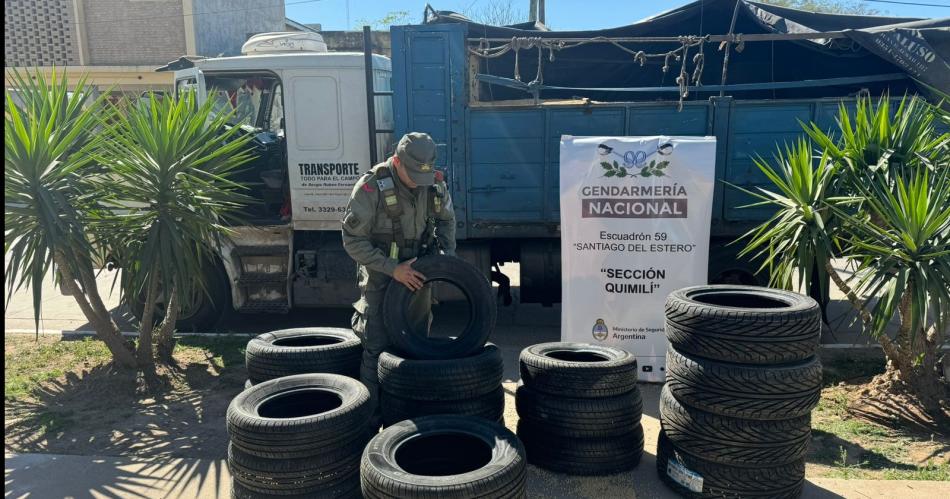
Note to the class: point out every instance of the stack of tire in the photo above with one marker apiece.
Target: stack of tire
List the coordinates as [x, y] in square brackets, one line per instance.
[298, 436]
[421, 376]
[742, 377]
[287, 352]
[444, 457]
[579, 408]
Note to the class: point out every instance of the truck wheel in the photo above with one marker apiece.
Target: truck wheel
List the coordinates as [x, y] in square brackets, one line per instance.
[202, 310]
[303, 350]
[460, 378]
[744, 391]
[706, 479]
[449, 457]
[733, 441]
[299, 416]
[743, 324]
[579, 418]
[578, 369]
[472, 284]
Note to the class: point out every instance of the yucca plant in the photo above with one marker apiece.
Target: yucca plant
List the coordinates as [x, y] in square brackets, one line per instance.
[799, 237]
[169, 165]
[875, 193]
[50, 199]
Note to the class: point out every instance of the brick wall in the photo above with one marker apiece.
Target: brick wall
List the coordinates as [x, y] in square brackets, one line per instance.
[223, 32]
[39, 33]
[134, 32]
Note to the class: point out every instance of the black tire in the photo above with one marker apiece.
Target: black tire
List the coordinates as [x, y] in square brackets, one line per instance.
[744, 324]
[718, 480]
[302, 351]
[582, 456]
[446, 457]
[737, 442]
[490, 406]
[239, 491]
[473, 285]
[578, 369]
[205, 309]
[743, 391]
[328, 474]
[579, 418]
[466, 377]
[298, 416]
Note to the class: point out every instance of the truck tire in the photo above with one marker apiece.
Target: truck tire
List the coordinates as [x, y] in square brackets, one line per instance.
[783, 481]
[239, 491]
[743, 324]
[205, 309]
[490, 406]
[325, 475]
[582, 456]
[578, 369]
[301, 351]
[732, 441]
[446, 457]
[298, 416]
[473, 285]
[744, 391]
[579, 418]
[431, 380]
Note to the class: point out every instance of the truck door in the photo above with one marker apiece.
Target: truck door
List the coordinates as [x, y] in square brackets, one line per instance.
[325, 111]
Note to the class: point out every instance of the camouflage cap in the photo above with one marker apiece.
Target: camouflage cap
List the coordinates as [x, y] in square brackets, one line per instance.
[416, 151]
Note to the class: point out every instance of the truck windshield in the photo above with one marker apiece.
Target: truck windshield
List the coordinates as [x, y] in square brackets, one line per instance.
[250, 96]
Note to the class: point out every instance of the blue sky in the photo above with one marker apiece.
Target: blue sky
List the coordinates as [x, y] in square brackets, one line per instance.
[561, 14]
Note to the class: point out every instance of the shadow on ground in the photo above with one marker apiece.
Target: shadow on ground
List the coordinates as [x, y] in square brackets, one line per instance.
[106, 411]
[830, 450]
[33, 475]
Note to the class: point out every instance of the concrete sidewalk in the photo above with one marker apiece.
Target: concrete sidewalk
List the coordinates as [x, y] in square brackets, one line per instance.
[54, 476]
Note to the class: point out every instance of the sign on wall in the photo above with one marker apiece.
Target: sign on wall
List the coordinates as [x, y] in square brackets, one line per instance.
[635, 221]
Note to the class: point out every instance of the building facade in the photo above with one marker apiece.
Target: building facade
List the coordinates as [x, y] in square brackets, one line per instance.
[122, 41]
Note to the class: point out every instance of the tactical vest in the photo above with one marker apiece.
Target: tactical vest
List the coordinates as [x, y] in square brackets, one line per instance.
[400, 247]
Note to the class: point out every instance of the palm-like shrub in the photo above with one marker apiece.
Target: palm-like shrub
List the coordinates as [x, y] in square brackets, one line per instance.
[877, 194]
[168, 176]
[145, 186]
[50, 200]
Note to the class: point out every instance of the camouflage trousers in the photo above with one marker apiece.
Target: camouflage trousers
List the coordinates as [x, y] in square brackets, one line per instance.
[371, 329]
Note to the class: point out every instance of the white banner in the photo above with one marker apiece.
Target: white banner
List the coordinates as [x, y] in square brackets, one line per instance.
[635, 219]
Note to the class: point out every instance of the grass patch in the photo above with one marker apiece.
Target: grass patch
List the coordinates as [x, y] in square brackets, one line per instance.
[844, 446]
[29, 361]
[223, 352]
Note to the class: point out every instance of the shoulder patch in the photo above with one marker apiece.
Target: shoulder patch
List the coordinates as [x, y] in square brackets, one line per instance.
[368, 187]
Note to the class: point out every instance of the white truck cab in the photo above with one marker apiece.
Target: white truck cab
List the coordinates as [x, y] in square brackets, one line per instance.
[308, 111]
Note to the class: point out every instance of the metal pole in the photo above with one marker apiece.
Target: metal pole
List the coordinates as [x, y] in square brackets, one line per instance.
[370, 94]
[541, 11]
[725, 57]
[533, 10]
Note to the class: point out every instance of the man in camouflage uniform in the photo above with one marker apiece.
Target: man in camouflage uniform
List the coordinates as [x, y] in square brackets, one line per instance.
[392, 213]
